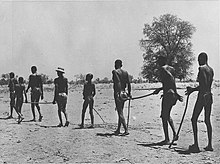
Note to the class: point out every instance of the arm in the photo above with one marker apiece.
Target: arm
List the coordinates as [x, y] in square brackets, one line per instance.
[129, 86]
[55, 92]
[157, 90]
[84, 91]
[66, 87]
[25, 95]
[116, 80]
[41, 87]
[94, 92]
[201, 77]
[28, 84]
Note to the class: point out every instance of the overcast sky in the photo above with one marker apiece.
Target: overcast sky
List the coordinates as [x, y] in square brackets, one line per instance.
[87, 36]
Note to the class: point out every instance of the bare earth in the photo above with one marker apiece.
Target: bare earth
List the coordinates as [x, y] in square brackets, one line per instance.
[43, 142]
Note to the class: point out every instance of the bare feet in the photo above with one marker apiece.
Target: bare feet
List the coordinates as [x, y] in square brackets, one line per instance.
[60, 125]
[208, 148]
[164, 142]
[40, 118]
[92, 126]
[117, 132]
[193, 148]
[67, 123]
[125, 134]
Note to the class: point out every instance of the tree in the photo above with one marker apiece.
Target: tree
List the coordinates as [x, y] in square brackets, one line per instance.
[46, 79]
[104, 80]
[80, 78]
[171, 37]
[4, 79]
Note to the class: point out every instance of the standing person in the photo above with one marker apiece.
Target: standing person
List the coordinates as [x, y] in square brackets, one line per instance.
[12, 82]
[19, 91]
[36, 85]
[170, 96]
[121, 81]
[204, 100]
[88, 94]
[60, 95]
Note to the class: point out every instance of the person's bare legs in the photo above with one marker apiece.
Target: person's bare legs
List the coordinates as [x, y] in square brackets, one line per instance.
[33, 112]
[196, 112]
[85, 105]
[165, 129]
[38, 107]
[65, 113]
[91, 112]
[11, 111]
[165, 115]
[60, 118]
[209, 127]
[170, 120]
[121, 119]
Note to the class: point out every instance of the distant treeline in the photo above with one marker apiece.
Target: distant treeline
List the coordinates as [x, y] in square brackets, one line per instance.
[80, 79]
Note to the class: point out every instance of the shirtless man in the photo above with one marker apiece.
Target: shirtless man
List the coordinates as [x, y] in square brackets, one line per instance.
[121, 81]
[88, 94]
[204, 100]
[36, 85]
[170, 96]
[11, 85]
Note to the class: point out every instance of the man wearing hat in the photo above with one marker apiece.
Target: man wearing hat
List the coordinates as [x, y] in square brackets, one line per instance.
[60, 95]
[36, 85]
[121, 81]
[88, 94]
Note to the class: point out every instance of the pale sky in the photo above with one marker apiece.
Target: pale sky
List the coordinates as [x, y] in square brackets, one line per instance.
[88, 36]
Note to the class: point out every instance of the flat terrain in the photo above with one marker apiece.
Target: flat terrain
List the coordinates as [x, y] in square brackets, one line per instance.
[43, 142]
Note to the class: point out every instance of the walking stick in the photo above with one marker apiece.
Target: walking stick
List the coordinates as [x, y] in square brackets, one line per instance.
[129, 104]
[99, 115]
[38, 102]
[177, 135]
[139, 97]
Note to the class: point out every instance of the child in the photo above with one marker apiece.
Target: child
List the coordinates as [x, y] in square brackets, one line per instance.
[11, 85]
[88, 94]
[60, 95]
[19, 91]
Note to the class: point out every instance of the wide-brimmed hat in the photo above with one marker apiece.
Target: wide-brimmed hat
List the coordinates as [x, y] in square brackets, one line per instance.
[59, 69]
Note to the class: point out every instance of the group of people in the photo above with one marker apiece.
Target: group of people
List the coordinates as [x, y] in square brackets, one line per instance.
[17, 90]
[170, 97]
[121, 84]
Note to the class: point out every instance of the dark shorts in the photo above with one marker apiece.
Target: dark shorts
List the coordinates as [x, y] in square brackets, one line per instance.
[12, 98]
[61, 103]
[19, 103]
[35, 95]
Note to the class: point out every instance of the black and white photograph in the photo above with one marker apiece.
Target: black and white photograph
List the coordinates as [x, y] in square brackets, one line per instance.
[110, 81]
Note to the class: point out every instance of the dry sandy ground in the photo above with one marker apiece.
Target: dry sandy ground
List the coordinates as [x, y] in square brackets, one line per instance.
[42, 142]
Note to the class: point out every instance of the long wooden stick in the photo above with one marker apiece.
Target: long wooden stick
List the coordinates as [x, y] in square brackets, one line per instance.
[184, 113]
[99, 115]
[129, 104]
[38, 102]
[139, 97]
